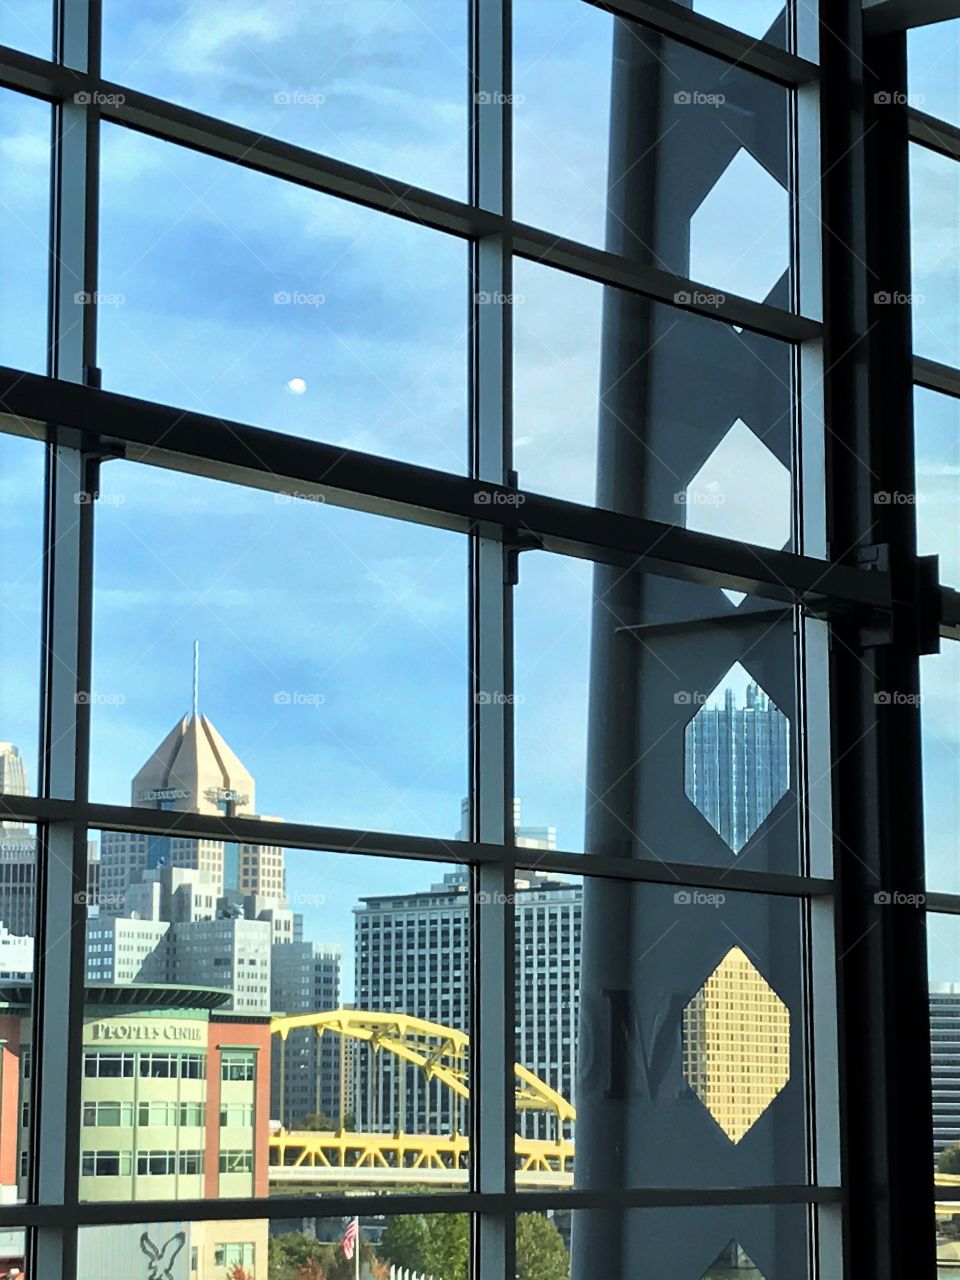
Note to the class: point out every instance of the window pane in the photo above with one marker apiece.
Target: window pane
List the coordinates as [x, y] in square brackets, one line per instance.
[758, 1242]
[943, 947]
[24, 228]
[18, 916]
[270, 1036]
[28, 25]
[651, 410]
[937, 425]
[305, 1247]
[377, 84]
[235, 294]
[324, 636]
[687, 698]
[697, 170]
[943, 935]
[935, 227]
[762, 19]
[940, 728]
[21, 559]
[701, 992]
[934, 69]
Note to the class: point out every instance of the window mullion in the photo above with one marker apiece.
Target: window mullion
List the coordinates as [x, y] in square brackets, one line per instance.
[492, 1035]
[64, 747]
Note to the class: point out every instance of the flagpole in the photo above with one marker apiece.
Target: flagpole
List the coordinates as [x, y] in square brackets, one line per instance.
[357, 1254]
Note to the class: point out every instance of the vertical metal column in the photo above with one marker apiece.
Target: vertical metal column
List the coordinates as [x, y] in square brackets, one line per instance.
[492, 914]
[64, 745]
[884, 1046]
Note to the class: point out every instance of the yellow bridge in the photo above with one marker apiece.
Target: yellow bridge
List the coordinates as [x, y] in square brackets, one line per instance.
[310, 1158]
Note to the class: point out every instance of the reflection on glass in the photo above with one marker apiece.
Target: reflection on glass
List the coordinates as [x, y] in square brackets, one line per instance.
[324, 635]
[933, 65]
[688, 704]
[374, 83]
[937, 434]
[630, 140]
[759, 1243]
[24, 225]
[21, 496]
[235, 294]
[650, 409]
[763, 19]
[935, 255]
[940, 738]
[685, 1064]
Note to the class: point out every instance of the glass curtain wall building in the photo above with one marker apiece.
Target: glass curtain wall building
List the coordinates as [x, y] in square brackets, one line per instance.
[548, 402]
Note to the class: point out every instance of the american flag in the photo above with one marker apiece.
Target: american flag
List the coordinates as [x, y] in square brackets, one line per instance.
[350, 1238]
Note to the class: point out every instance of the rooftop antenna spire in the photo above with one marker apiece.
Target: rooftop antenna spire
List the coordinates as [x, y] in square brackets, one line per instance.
[196, 676]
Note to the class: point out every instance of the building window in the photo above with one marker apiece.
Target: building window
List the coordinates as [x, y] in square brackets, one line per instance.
[236, 1161]
[106, 1164]
[238, 1066]
[234, 1255]
[107, 1065]
[107, 1114]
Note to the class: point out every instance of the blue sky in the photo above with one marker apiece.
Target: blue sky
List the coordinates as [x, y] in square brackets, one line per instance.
[368, 616]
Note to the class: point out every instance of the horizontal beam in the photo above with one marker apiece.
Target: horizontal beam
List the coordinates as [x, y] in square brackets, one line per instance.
[318, 838]
[687, 295]
[234, 452]
[111, 1213]
[884, 17]
[715, 38]
[933, 133]
[936, 377]
[283, 160]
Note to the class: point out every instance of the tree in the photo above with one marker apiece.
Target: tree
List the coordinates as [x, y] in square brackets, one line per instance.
[293, 1254]
[434, 1243]
[949, 1159]
[340, 1268]
[404, 1242]
[541, 1254]
[239, 1272]
[312, 1271]
[318, 1121]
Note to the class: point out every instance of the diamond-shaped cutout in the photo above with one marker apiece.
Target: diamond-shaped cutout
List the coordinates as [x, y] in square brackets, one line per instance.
[742, 491]
[733, 1263]
[736, 757]
[753, 17]
[736, 1044]
[740, 235]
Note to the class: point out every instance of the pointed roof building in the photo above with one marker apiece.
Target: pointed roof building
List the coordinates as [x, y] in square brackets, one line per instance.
[194, 770]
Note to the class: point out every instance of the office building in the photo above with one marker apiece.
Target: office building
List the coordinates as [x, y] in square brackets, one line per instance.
[737, 763]
[945, 1063]
[412, 956]
[306, 978]
[13, 771]
[193, 770]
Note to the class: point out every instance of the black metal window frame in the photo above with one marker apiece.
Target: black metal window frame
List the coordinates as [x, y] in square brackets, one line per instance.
[879, 607]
